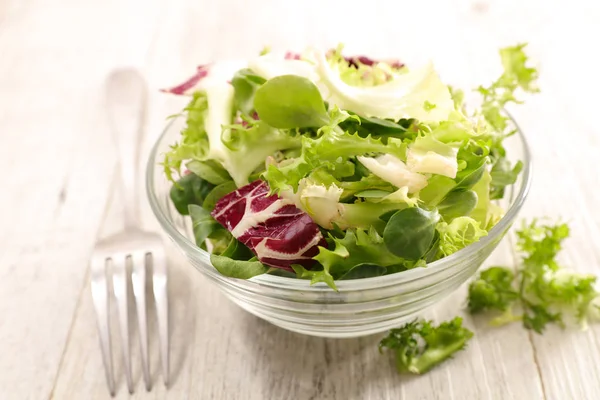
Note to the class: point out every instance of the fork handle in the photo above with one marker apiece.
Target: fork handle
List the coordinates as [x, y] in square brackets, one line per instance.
[126, 96]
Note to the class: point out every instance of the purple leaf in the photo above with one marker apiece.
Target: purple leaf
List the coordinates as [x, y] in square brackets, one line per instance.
[274, 229]
[187, 87]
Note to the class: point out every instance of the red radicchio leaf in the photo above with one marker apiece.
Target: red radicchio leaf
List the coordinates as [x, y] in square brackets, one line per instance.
[187, 87]
[355, 61]
[292, 56]
[274, 229]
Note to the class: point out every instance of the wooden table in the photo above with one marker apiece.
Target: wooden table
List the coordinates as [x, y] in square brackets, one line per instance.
[58, 184]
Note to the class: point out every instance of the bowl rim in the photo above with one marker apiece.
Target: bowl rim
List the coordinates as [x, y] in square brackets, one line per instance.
[281, 282]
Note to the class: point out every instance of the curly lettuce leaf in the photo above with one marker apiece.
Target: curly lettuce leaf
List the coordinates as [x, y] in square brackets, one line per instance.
[541, 292]
[419, 346]
[194, 139]
[492, 290]
[458, 234]
[357, 247]
[330, 151]
[517, 74]
[361, 71]
[217, 150]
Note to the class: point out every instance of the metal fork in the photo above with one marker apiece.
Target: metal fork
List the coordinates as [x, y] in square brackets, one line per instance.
[132, 249]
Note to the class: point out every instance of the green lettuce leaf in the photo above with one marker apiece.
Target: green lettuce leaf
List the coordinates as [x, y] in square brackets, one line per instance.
[458, 234]
[330, 151]
[357, 73]
[194, 139]
[189, 189]
[215, 148]
[357, 247]
[517, 74]
[485, 212]
[245, 83]
[206, 228]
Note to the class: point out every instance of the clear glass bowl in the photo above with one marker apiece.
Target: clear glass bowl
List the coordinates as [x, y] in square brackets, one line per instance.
[361, 307]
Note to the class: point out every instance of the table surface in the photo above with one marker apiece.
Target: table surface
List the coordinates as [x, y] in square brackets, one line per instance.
[58, 185]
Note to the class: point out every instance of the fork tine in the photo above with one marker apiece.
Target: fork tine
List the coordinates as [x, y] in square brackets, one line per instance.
[99, 288]
[159, 289]
[138, 279]
[120, 287]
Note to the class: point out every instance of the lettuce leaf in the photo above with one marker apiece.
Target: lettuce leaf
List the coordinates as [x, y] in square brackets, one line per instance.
[416, 94]
[357, 247]
[458, 234]
[517, 74]
[428, 155]
[330, 151]
[215, 148]
[194, 140]
[393, 170]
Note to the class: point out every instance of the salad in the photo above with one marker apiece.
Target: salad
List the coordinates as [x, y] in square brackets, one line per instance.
[326, 167]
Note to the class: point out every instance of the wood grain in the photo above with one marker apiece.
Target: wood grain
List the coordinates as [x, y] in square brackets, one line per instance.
[58, 193]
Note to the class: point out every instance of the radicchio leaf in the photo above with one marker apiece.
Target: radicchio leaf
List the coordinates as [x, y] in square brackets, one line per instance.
[276, 231]
[357, 61]
[189, 86]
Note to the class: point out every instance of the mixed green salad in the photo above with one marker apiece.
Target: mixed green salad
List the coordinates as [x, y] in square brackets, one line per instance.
[328, 167]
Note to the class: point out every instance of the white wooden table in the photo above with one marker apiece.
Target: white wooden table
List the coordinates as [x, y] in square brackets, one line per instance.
[57, 173]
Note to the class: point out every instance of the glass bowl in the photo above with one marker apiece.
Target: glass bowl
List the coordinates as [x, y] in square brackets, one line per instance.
[362, 306]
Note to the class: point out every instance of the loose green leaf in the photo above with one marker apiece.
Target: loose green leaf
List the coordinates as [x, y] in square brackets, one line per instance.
[366, 126]
[203, 224]
[217, 193]
[457, 204]
[432, 254]
[290, 101]
[210, 171]
[458, 234]
[245, 83]
[428, 155]
[281, 272]
[355, 248]
[315, 276]
[468, 178]
[361, 271]
[328, 152]
[492, 290]
[236, 268]
[194, 139]
[190, 189]
[410, 232]
[503, 175]
[541, 292]
[373, 194]
[236, 250]
[485, 212]
[419, 345]
[437, 188]
[516, 75]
